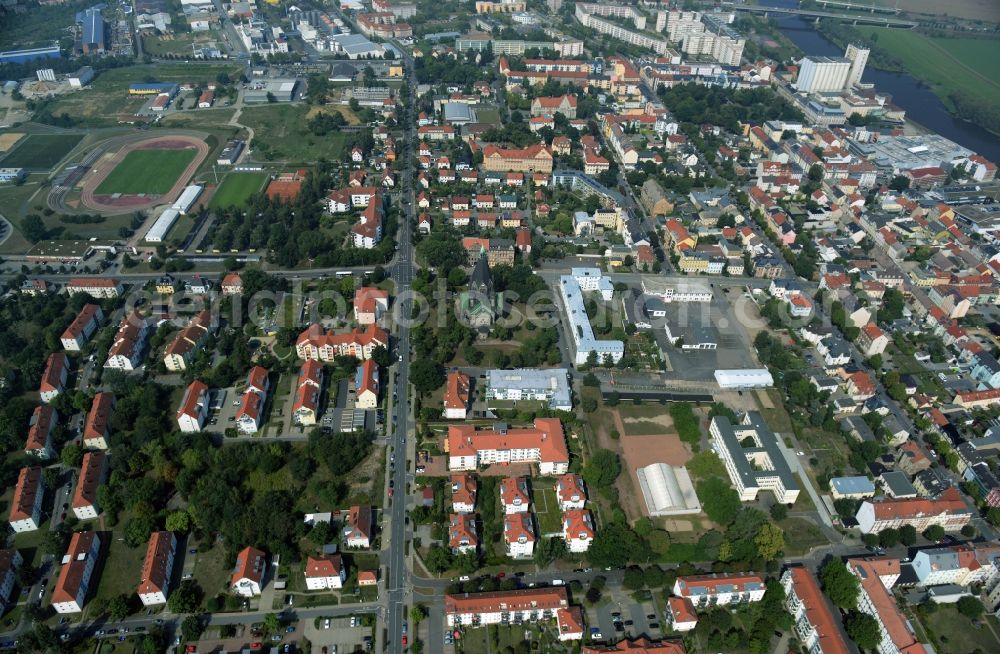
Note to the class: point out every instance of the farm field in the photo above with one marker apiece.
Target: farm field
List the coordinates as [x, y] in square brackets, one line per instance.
[236, 188]
[281, 134]
[40, 151]
[973, 9]
[948, 66]
[135, 174]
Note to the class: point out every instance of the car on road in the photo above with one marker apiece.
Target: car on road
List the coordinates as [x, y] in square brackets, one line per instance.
[290, 629]
[326, 623]
[404, 627]
[404, 640]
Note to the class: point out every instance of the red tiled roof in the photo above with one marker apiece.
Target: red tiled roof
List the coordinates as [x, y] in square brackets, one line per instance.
[189, 403]
[539, 599]
[569, 488]
[512, 489]
[250, 564]
[456, 394]
[84, 318]
[546, 436]
[516, 526]
[462, 530]
[29, 484]
[91, 476]
[893, 621]
[42, 420]
[329, 565]
[51, 378]
[818, 611]
[463, 489]
[155, 573]
[71, 574]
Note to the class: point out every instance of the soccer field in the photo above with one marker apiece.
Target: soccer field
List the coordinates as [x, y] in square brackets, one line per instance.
[236, 188]
[40, 151]
[148, 172]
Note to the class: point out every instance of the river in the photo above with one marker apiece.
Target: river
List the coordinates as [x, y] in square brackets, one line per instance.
[920, 103]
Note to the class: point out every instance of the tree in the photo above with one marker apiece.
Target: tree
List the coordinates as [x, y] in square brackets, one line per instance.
[179, 522]
[272, 624]
[770, 541]
[380, 355]
[779, 512]
[970, 607]
[191, 628]
[602, 469]
[969, 531]
[426, 376]
[118, 608]
[908, 535]
[888, 538]
[417, 615]
[900, 183]
[72, 455]
[934, 533]
[634, 578]
[863, 630]
[839, 584]
[720, 502]
[186, 598]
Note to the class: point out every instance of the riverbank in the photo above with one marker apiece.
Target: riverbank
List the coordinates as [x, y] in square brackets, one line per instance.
[960, 72]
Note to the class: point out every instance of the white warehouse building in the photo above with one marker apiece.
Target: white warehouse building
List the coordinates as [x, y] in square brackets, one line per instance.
[159, 230]
[740, 379]
[187, 198]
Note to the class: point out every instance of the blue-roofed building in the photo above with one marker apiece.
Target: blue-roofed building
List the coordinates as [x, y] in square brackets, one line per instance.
[92, 40]
[851, 487]
[31, 54]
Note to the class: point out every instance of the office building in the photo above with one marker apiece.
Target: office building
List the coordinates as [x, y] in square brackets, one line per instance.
[761, 466]
[823, 74]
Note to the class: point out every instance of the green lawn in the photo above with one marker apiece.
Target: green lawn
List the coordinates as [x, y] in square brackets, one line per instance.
[146, 171]
[236, 188]
[801, 536]
[952, 633]
[40, 151]
[211, 571]
[949, 66]
[546, 508]
[491, 116]
[120, 566]
[281, 134]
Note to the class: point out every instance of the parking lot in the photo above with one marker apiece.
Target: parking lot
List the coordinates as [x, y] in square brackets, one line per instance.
[340, 637]
[632, 617]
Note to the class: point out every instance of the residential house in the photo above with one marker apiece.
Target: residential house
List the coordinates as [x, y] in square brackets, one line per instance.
[92, 473]
[305, 407]
[188, 341]
[871, 340]
[126, 349]
[326, 572]
[519, 535]
[95, 287]
[26, 505]
[83, 326]
[366, 385]
[357, 530]
[40, 425]
[681, 614]
[456, 395]
[578, 530]
[157, 567]
[78, 565]
[315, 343]
[463, 493]
[514, 495]
[369, 304]
[570, 492]
[462, 536]
[10, 561]
[948, 510]
[248, 575]
[97, 428]
[194, 407]
[720, 589]
[232, 284]
[54, 377]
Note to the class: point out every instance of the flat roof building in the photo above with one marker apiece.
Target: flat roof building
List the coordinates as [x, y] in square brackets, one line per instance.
[749, 378]
[549, 385]
[584, 342]
[761, 466]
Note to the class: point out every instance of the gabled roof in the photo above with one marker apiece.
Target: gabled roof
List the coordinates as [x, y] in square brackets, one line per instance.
[91, 476]
[329, 565]
[194, 395]
[155, 569]
[29, 485]
[74, 567]
[456, 394]
[250, 564]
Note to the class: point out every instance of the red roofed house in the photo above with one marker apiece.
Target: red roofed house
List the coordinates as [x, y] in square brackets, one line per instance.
[367, 577]
[125, 352]
[463, 493]
[154, 587]
[188, 341]
[569, 623]
[251, 409]
[549, 106]
[194, 408]
[578, 530]
[96, 430]
[875, 599]
[232, 284]
[91, 477]
[367, 232]
[358, 527]
[26, 506]
[40, 426]
[544, 444]
[519, 535]
[75, 575]
[522, 240]
[305, 407]
[366, 385]
[314, 343]
[514, 606]
[947, 509]
[570, 492]
[462, 536]
[514, 495]
[681, 614]
[369, 304]
[79, 331]
[54, 378]
[971, 399]
[816, 624]
[534, 158]
[872, 340]
[325, 572]
[720, 589]
[95, 287]
[248, 575]
[456, 395]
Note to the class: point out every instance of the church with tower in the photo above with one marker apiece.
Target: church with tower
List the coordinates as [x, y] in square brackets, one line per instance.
[481, 305]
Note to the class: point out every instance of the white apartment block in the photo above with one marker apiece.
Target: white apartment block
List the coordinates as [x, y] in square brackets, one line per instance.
[948, 510]
[511, 606]
[720, 589]
[813, 618]
[757, 468]
[82, 327]
[584, 342]
[544, 444]
[325, 572]
[154, 587]
[26, 506]
[10, 561]
[78, 564]
[519, 535]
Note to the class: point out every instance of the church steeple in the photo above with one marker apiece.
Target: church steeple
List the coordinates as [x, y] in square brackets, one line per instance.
[482, 280]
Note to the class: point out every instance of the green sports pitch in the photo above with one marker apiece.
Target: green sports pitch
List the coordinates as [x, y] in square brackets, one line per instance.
[149, 172]
[236, 188]
[40, 151]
